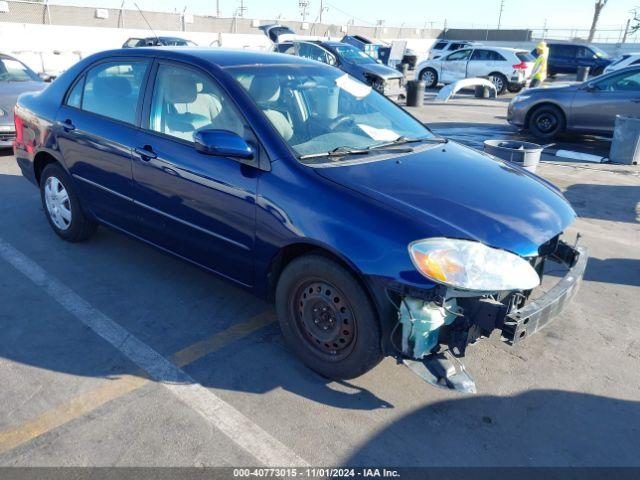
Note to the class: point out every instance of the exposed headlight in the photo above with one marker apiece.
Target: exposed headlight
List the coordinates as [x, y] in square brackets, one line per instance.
[471, 265]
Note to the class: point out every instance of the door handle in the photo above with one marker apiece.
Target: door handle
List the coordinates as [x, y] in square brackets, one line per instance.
[68, 125]
[146, 153]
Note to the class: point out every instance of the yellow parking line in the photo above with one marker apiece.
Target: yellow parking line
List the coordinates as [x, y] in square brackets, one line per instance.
[92, 400]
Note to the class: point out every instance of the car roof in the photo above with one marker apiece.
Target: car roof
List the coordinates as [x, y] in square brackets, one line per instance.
[218, 56]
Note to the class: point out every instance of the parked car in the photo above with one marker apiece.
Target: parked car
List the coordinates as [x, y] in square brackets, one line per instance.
[273, 31]
[303, 185]
[623, 61]
[386, 80]
[589, 107]
[380, 50]
[567, 57]
[444, 47]
[15, 78]
[508, 68]
[158, 42]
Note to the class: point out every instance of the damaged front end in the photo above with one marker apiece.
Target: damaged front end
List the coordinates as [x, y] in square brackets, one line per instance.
[435, 327]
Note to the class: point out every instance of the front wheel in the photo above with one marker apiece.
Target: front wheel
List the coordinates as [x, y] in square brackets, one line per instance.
[62, 207]
[430, 77]
[327, 318]
[547, 122]
[513, 88]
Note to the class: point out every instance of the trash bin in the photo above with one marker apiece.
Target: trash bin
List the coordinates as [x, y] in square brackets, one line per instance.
[482, 91]
[583, 74]
[415, 93]
[625, 147]
[524, 154]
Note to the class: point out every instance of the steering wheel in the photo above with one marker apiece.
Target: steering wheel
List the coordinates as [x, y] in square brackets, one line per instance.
[340, 120]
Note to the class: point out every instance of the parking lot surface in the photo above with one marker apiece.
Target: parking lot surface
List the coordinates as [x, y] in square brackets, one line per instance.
[113, 353]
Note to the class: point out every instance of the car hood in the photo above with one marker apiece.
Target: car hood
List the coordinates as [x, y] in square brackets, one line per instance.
[546, 89]
[379, 70]
[457, 192]
[10, 91]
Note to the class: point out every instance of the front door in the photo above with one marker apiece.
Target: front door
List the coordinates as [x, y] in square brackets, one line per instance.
[201, 207]
[95, 130]
[596, 105]
[454, 66]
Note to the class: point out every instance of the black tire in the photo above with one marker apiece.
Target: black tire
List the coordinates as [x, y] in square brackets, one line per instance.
[79, 226]
[547, 121]
[322, 308]
[500, 81]
[515, 88]
[430, 77]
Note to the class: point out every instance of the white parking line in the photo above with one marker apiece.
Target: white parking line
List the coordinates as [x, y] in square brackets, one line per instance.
[213, 409]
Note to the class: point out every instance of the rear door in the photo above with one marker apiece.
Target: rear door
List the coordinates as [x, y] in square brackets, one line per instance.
[484, 61]
[201, 207]
[96, 131]
[595, 106]
[454, 66]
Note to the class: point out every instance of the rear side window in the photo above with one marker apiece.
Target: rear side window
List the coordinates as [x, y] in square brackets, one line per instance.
[487, 56]
[440, 45]
[75, 95]
[457, 46]
[525, 57]
[636, 62]
[112, 89]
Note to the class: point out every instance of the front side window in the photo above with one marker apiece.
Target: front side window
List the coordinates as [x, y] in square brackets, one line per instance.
[623, 82]
[316, 109]
[313, 52]
[185, 101]
[14, 71]
[459, 55]
[112, 89]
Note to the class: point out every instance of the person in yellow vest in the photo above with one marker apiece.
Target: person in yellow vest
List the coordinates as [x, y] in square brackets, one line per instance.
[539, 73]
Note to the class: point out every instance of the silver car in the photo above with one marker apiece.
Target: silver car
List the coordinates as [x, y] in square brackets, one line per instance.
[589, 107]
[15, 78]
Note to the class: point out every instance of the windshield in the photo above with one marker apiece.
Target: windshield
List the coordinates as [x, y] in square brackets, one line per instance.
[14, 71]
[353, 55]
[318, 109]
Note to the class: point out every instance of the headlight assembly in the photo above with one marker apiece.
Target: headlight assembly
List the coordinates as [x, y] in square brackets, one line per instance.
[520, 98]
[469, 265]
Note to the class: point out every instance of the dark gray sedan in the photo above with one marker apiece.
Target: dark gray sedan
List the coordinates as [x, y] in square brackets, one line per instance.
[589, 107]
[15, 79]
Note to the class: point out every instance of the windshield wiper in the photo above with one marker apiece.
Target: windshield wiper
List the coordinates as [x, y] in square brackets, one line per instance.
[337, 152]
[402, 140]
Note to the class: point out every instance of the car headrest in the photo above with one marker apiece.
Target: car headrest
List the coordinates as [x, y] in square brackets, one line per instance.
[180, 88]
[265, 88]
[111, 86]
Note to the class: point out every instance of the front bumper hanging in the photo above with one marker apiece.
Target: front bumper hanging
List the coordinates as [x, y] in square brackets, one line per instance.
[523, 322]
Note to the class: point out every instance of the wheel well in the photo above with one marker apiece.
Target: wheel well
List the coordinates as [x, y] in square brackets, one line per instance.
[495, 74]
[41, 160]
[537, 107]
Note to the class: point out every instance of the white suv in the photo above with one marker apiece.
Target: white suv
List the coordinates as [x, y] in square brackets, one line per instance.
[508, 68]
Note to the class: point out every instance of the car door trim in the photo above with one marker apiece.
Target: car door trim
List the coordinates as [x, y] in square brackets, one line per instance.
[164, 214]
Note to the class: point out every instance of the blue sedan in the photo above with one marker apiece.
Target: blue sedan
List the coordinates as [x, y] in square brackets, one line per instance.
[288, 177]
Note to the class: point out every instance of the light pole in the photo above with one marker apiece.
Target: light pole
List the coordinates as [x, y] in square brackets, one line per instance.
[500, 15]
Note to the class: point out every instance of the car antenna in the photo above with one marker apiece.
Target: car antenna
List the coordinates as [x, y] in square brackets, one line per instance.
[147, 22]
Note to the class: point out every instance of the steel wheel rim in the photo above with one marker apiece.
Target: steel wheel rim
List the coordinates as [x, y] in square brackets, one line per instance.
[325, 319]
[57, 202]
[547, 122]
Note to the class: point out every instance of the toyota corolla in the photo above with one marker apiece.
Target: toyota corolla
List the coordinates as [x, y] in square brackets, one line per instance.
[372, 235]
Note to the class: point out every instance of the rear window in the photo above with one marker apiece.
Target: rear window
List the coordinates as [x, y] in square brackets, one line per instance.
[525, 57]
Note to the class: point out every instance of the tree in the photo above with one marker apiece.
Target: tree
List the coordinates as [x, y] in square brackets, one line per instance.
[599, 5]
[635, 25]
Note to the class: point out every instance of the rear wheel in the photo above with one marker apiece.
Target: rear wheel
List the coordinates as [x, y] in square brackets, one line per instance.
[61, 205]
[500, 82]
[547, 121]
[327, 318]
[430, 77]
[515, 88]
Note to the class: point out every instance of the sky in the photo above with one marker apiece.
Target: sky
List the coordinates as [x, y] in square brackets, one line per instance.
[561, 14]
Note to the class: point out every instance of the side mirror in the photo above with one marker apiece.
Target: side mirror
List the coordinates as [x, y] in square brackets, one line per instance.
[45, 77]
[589, 87]
[331, 60]
[223, 143]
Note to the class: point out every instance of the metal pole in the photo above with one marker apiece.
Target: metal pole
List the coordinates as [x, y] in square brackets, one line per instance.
[500, 15]
[626, 31]
[218, 8]
[321, 10]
